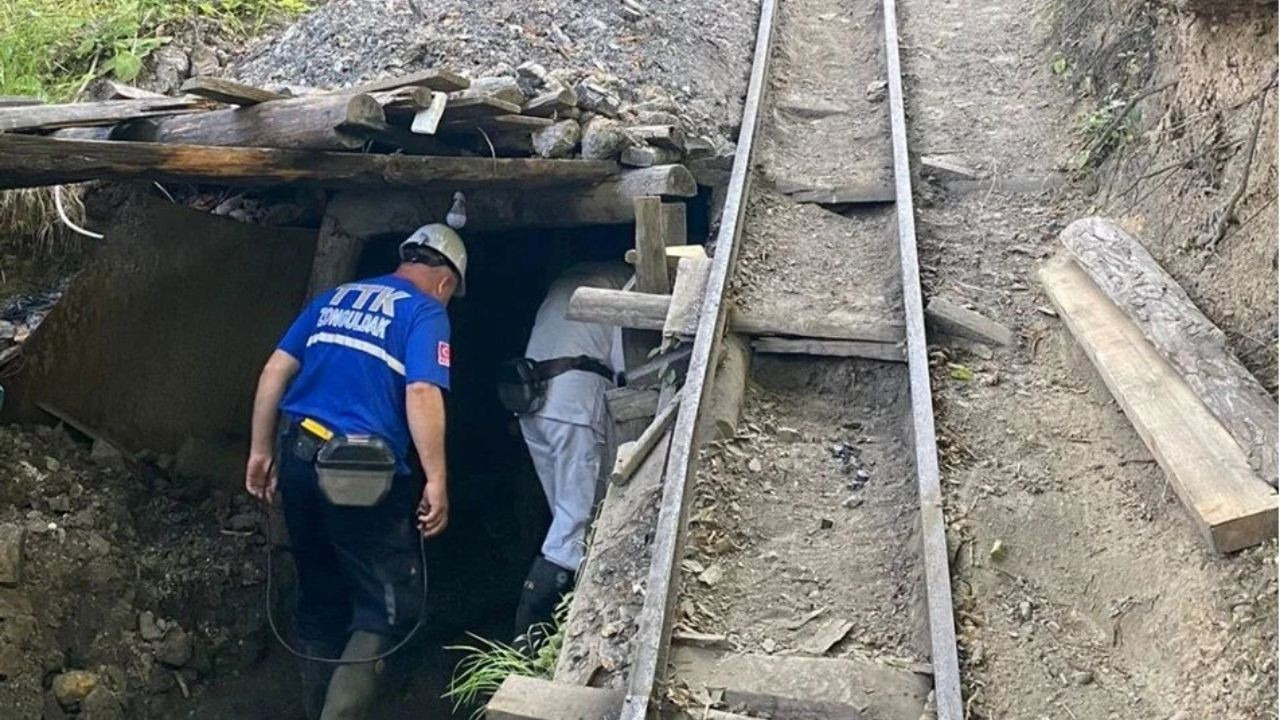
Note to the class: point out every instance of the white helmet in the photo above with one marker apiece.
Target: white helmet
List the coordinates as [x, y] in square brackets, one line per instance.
[444, 240]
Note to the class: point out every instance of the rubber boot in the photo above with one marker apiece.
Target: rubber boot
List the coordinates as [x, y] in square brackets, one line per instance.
[354, 688]
[544, 587]
[315, 675]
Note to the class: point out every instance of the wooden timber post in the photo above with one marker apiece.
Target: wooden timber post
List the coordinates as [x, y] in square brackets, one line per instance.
[651, 247]
[336, 259]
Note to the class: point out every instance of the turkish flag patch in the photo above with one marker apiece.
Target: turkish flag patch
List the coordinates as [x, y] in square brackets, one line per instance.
[442, 353]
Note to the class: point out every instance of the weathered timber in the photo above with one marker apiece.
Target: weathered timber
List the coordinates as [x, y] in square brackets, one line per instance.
[29, 161]
[472, 104]
[868, 194]
[432, 79]
[336, 258]
[229, 91]
[664, 136]
[674, 254]
[651, 261]
[648, 312]
[724, 406]
[12, 101]
[426, 120]
[29, 118]
[648, 156]
[1123, 269]
[686, 298]
[948, 318]
[633, 454]
[315, 123]
[1232, 507]
[402, 104]
[631, 403]
[653, 626]
[120, 91]
[552, 102]
[675, 224]
[887, 352]
[935, 557]
[501, 123]
[526, 698]
[95, 132]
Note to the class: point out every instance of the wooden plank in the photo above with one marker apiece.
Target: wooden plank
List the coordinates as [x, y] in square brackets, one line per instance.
[433, 78]
[336, 258]
[948, 318]
[501, 123]
[650, 373]
[633, 454]
[631, 403]
[315, 122]
[663, 136]
[1123, 269]
[651, 259]
[886, 352]
[229, 91]
[880, 691]
[653, 627]
[471, 104]
[526, 698]
[674, 254]
[120, 91]
[675, 225]
[1232, 507]
[648, 312]
[427, 119]
[29, 161]
[724, 406]
[933, 526]
[867, 194]
[30, 118]
[686, 298]
[551, 103]
[648, 156]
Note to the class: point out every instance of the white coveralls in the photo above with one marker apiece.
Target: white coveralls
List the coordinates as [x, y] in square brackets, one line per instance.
[568, 437]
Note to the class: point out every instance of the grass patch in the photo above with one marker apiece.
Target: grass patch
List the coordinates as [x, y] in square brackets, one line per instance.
[489, 662]
[53, 49]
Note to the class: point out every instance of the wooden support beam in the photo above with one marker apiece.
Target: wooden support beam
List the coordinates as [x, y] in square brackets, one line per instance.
[631, 403]
[674, 254]
[433, 78]
[675, 225]
[649, 312]
[336, 259]
[650, 373]
[30, 118]
[686, 298]
[427, 120]
[526, 698]
[1123, 269]
[651, 261]
[633, 454]
[884, 351]
[1232, 507]
[951, 319]
[552, 102]
[315, 122]
[724, 407]
[29, 161]
[229, 91]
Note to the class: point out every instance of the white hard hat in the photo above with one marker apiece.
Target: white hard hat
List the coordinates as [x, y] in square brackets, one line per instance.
[444, 240]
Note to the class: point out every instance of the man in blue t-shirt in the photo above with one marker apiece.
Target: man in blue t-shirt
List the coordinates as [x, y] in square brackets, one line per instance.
[366, 358]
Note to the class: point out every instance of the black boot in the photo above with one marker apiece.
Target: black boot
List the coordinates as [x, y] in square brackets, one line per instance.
[544, 587]
[315, 675]
[354, 687]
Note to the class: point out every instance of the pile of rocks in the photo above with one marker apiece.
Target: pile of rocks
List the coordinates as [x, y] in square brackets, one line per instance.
[117, 599]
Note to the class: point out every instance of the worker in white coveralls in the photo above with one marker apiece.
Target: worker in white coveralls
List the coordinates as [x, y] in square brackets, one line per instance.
[567, 430]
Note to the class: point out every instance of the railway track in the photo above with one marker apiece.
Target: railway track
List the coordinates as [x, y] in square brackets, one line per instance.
[813, 577]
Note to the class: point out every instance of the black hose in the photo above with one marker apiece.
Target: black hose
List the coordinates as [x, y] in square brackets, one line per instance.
[271, 620]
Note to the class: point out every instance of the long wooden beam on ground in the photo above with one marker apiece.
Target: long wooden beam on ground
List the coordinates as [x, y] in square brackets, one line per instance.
[643, 311]
[490, 208]
[1230, 504]
[1123, 269]
[933, 527]
[653, 627]
[30, 118]
[31, 161]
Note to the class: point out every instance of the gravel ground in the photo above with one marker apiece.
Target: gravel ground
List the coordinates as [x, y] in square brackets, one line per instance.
[697, 51]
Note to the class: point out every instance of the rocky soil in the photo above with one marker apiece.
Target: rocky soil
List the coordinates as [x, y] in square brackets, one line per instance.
[123, 592]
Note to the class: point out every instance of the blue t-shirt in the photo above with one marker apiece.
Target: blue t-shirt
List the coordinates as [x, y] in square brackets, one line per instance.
[359, 345]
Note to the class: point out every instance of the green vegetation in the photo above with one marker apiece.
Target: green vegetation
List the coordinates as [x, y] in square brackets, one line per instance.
[481, 672]
[54, 48]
